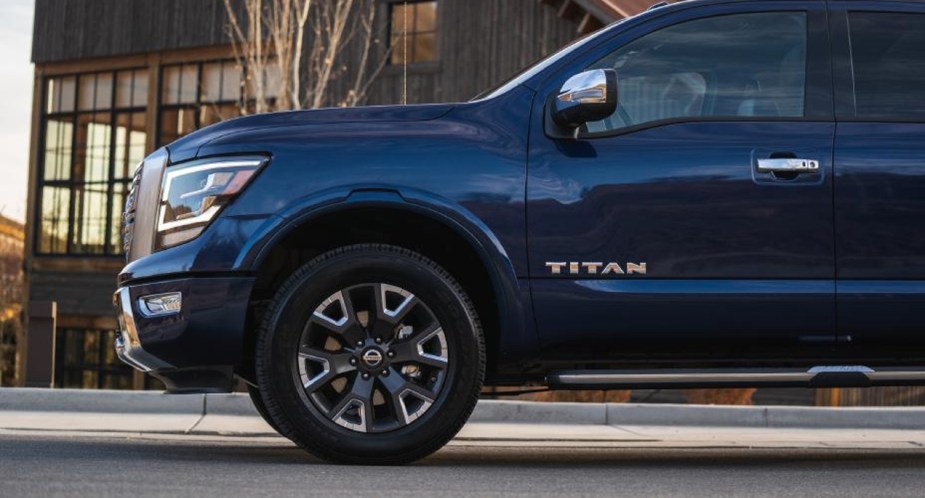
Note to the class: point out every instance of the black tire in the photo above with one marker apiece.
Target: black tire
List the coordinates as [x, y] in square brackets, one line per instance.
[261, 408]
[363, 432]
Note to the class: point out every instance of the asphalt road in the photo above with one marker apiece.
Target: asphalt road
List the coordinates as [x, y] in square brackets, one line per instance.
[49, 465]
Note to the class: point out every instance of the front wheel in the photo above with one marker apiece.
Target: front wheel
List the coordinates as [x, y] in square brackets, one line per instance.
[370, 354]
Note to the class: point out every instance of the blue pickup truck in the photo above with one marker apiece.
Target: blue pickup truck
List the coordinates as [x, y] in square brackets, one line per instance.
[715, 193]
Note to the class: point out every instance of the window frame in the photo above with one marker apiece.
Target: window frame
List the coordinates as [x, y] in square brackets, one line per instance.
[389, 5]
[842, 61]
[71, 183]
[102, 370]
[196, 106]
[818, 91]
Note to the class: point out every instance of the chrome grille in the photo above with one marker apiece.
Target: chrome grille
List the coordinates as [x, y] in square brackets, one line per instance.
[128, 215]
[140, 215]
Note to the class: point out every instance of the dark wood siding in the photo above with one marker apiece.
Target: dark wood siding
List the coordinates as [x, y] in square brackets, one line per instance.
[76, 292]
[481, 42]
[79, 29]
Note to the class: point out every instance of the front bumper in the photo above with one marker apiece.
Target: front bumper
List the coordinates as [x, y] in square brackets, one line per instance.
[196, 349]
[128, 345]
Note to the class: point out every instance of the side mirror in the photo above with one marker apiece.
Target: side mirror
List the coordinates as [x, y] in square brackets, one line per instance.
[587, 96]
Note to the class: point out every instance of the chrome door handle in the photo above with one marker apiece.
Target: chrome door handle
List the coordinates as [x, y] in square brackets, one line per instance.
[788, 165]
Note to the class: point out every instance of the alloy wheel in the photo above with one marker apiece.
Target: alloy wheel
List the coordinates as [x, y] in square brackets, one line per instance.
[372, 358]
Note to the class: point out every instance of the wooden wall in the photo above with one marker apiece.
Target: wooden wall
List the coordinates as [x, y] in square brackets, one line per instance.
[480, 42]
[81, 29]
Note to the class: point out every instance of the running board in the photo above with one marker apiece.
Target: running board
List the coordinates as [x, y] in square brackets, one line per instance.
[823, 376]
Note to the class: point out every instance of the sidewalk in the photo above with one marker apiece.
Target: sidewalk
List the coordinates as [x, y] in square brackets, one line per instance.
[494, 423]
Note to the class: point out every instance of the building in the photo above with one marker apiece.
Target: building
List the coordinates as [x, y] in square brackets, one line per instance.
[12, 238]
[116, 79]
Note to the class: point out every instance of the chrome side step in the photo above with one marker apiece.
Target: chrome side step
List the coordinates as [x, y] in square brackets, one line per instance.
[820, 376]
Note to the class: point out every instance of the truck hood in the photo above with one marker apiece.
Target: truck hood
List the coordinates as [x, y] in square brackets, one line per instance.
[188, 146]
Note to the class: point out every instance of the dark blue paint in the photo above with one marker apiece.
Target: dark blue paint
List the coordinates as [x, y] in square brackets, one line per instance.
[879, 215]
[208, 331]
[743, 268]
[697, 319]
[684, 199]
[879, 227]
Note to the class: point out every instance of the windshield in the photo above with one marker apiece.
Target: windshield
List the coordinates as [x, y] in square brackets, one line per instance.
[537, 67]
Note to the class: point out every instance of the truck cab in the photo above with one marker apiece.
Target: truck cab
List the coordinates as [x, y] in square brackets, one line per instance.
[714, 193]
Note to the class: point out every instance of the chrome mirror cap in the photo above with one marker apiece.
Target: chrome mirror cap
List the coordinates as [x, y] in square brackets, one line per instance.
[587, 96]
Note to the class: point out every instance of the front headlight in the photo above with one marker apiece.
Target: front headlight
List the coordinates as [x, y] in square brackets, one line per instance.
[191, 196]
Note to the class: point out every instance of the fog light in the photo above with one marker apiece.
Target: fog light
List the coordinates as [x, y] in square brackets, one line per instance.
[161, 304]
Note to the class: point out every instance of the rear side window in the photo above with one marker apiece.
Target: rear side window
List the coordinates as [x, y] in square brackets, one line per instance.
[888, 58]
[748, 66]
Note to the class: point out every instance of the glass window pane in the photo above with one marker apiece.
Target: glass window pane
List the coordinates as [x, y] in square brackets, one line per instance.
[90, 215]
[425, 47]
[87, 92]
[425, 17]
[138, 139]
[68, 87]
[402, 23]
[53, 95]
[189, 81]
[93, 140]
[58, 136]
[176, 123]
[272, 79]
[888, 58]
[140, 93]
[103, 91]
[121, 149]
[56, 202]
[415, 25]
[397, 56]
[84, 358]
[213, 113]
[742, 65]
[131, 142]
[124, 81]
[231, 82]
[170, 92]
[91, 347]
[211, 82]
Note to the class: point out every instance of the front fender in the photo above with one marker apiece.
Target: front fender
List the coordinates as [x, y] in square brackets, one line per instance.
[517, 335]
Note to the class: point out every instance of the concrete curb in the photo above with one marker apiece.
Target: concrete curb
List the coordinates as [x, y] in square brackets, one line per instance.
[98, 401]
[490, 411]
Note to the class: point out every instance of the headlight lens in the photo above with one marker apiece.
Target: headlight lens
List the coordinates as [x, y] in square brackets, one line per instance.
[192, 196]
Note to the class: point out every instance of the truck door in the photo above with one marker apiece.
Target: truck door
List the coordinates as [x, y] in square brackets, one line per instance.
[676, 227]
[880, 177]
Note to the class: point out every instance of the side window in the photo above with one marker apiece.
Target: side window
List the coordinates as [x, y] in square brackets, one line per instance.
[888, 57]
[736, 66]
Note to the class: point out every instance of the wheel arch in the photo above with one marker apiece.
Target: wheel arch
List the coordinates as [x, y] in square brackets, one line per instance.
[460, 242]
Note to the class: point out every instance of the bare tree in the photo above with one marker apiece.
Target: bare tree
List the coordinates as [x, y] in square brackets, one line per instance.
[11, 295]
[292, 51]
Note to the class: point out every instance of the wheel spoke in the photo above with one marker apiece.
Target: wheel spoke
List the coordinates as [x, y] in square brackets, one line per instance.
[333, 363]
[413, 349]
[392, 311]
[355, 409]
[344, 324]
[403, 393]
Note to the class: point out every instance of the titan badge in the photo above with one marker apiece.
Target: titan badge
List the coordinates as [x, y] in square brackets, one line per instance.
[584, 268]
